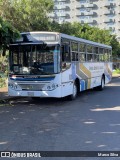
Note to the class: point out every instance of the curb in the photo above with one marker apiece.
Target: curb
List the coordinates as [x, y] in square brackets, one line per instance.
[9, 99]
[115, 77]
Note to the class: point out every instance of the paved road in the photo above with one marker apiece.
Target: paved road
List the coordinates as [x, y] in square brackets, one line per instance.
[90, 123]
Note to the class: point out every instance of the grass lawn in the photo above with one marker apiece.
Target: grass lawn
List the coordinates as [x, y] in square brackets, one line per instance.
[116, 72]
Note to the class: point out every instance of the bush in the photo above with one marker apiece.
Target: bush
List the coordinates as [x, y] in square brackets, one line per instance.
[2, 82]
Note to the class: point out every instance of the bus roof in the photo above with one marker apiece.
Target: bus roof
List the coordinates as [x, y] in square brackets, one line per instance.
[70, 37]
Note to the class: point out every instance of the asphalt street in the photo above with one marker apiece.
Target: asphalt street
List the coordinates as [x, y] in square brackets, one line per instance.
[89, 123]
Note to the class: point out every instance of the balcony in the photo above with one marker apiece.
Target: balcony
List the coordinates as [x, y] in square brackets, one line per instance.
[86, 6]
[91, 5]
[109, 12]
[109, 4]
[92, 22]
[91, 13]
[67, 8]
[90, 1]
[80, 6]
[62, 14]
[59, 0]
[94, 1]
[109, 21]
[59, 7]
[62, 7]
[80, 14]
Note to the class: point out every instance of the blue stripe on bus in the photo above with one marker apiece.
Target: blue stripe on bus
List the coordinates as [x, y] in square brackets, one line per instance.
[82, 83]
[109, 77]
[33, 79]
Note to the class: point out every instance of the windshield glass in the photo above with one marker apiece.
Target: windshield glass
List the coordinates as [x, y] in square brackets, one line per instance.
[34, 59]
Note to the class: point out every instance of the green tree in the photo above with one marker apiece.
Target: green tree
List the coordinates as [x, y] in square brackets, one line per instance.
[7, 34]
[27, 15]
[115, 46]
[90, 33]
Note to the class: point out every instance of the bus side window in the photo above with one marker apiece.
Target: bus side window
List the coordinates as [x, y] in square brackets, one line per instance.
[65, 51]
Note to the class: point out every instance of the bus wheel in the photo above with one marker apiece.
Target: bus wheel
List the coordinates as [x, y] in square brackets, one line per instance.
[35, 98]
[101, 87]
[74, 92]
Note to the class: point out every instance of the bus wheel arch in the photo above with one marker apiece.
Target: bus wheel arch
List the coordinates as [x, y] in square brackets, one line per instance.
[101, 87]
[76, 89]
[77, 81]
[103, 76]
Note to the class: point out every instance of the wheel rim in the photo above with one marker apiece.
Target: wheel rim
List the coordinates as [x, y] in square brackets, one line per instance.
[74, 90]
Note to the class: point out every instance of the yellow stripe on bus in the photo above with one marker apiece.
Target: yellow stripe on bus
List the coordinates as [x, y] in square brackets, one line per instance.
[108, 69]
[88, 74]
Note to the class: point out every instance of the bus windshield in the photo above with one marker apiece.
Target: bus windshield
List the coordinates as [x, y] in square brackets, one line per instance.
[34, 60]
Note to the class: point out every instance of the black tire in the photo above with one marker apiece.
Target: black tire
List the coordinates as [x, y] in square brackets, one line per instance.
[35, 98]
[75, 92]
[101, 87]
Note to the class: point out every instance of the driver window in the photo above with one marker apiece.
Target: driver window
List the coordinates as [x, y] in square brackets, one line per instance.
[66, 58]
[65, 51]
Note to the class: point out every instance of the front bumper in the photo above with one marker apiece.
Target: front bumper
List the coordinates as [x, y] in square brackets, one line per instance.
[53, 93]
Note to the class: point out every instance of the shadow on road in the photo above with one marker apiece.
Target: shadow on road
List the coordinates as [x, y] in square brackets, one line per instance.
[91, 122]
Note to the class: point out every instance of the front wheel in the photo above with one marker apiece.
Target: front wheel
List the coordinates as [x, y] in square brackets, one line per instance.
[74, 92]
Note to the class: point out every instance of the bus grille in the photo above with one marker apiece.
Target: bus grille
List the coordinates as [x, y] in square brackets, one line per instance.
[32, 87]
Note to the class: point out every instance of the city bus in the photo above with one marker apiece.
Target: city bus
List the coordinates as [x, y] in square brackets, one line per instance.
[52, 64]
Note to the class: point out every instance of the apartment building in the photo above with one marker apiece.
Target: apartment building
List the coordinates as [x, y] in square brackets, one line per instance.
[104, 14]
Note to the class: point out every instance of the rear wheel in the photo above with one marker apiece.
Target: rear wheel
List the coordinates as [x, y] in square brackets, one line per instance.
[35, 98]
[101, 87]
[74, 92]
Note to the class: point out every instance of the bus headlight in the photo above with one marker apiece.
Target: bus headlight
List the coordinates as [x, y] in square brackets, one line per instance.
[54, 86]
[15, 86]
[50, 87]
[12, 85]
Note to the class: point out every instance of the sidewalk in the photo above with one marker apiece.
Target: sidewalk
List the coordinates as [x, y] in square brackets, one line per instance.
[4, 93]
[115, 75]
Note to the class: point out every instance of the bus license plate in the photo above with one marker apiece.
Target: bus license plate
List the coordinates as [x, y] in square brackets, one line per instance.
[30, 94]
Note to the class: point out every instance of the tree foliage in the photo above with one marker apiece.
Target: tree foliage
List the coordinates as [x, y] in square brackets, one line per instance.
[90, 33]
[115, 46]
[7, 34]
[27, 15]
[32, 15]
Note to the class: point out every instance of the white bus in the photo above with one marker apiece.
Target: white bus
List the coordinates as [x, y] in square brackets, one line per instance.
[51, 64]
